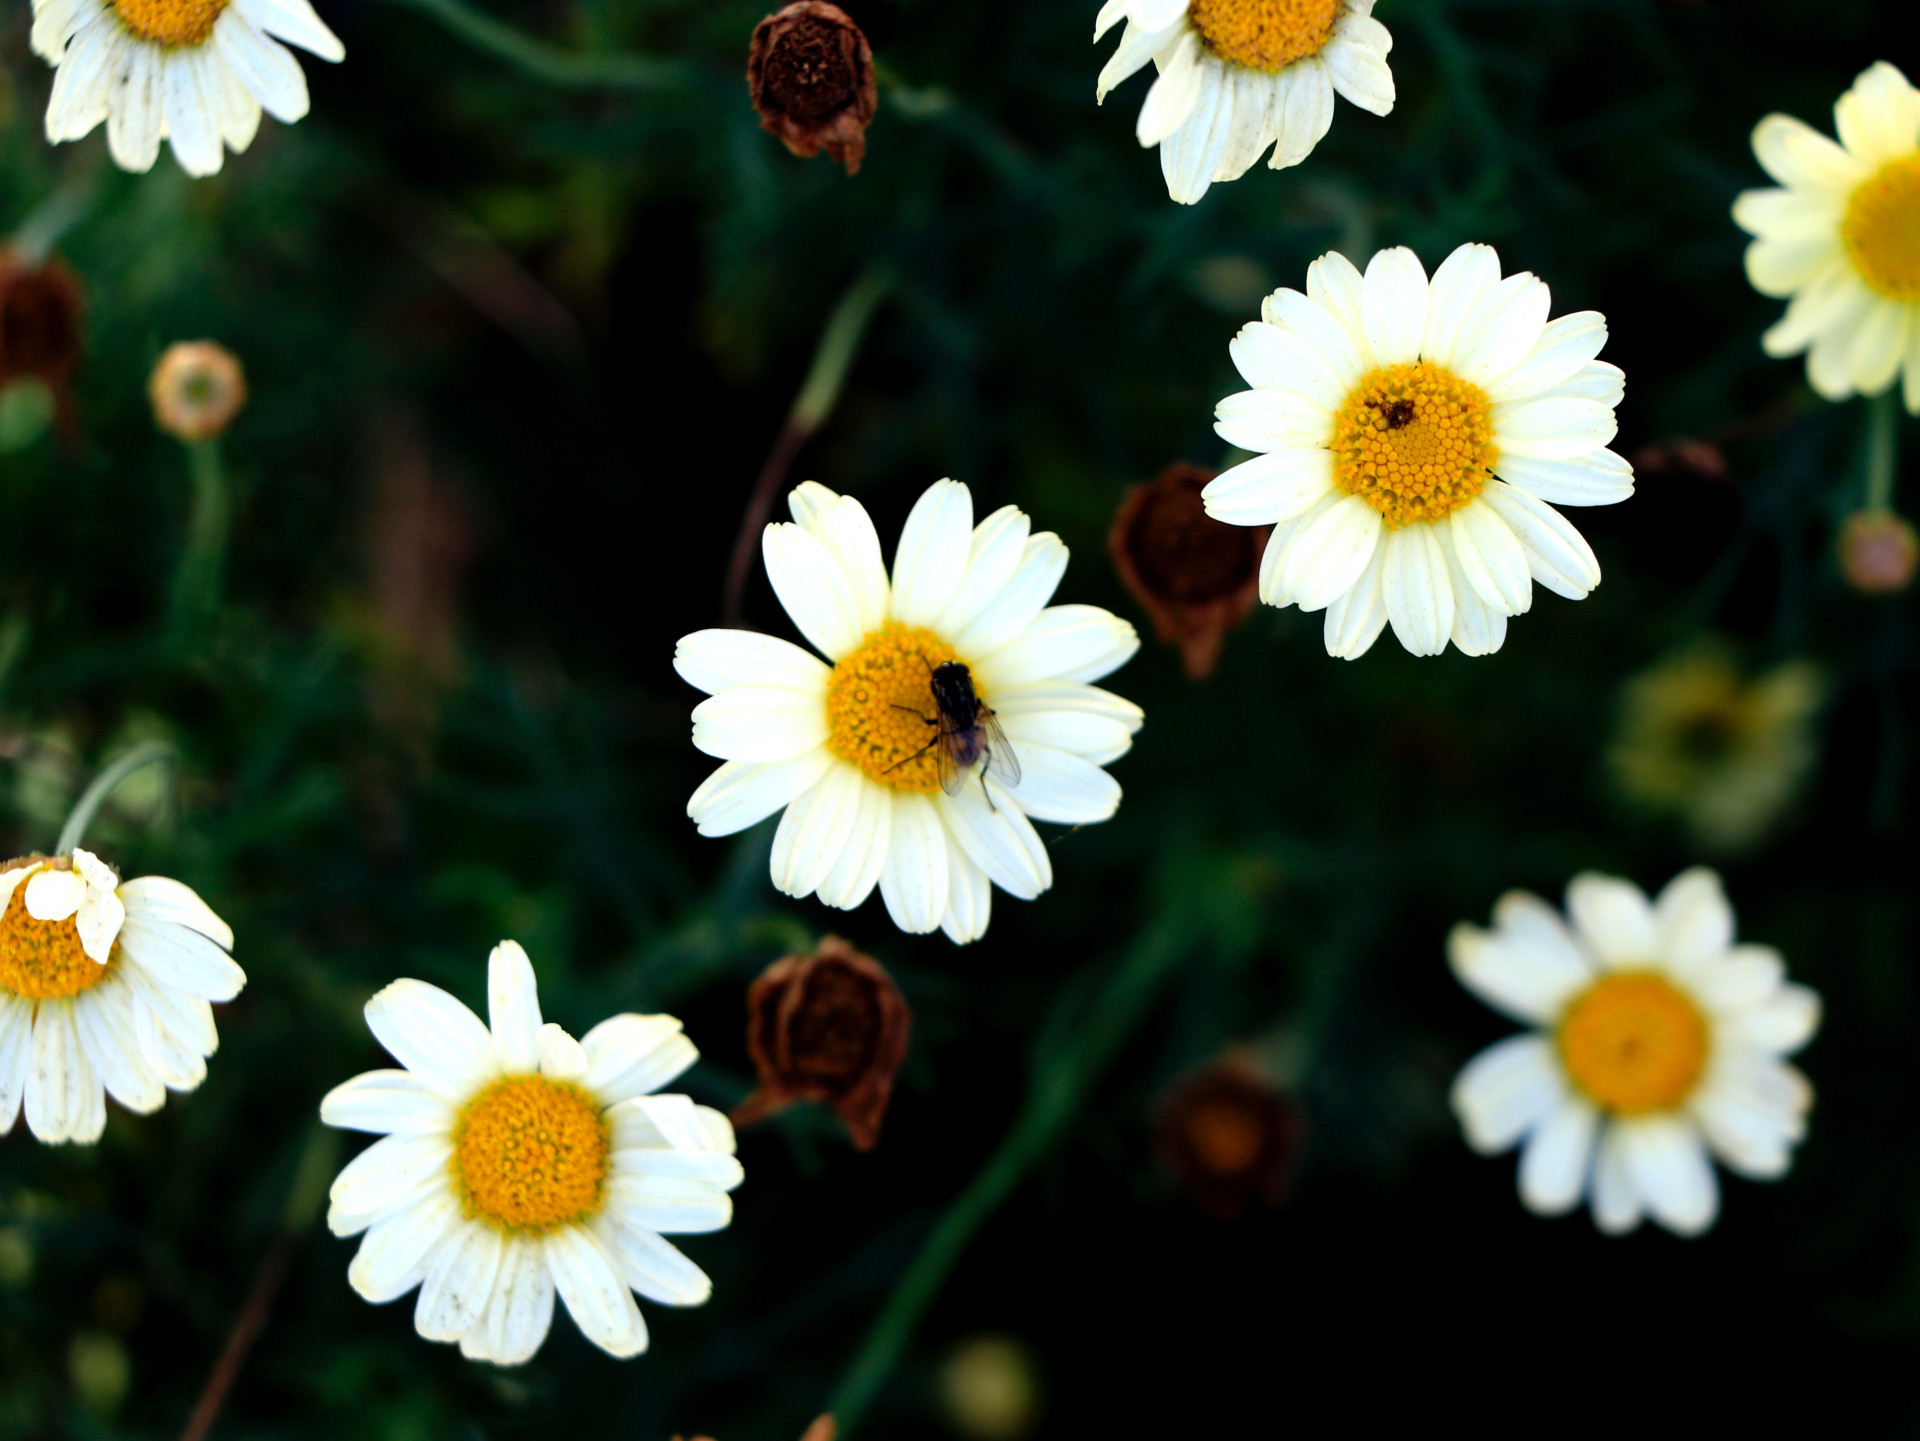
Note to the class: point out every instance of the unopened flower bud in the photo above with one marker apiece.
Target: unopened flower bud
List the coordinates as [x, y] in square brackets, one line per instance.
[40, 310]
[1197, 577]
[1228, 1136]
[1878, 552]
[810, 71]
[197, 389]
[829, 1027]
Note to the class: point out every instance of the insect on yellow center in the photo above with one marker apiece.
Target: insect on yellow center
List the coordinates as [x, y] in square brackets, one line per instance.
[1414, 441]
[1265, 35]
[1881, 229]
[43, 960]
[530, 1154]
[1634, 1043]
[171, 22]
[880, 709]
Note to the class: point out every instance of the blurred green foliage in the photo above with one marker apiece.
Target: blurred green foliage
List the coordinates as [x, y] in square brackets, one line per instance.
[517, 349]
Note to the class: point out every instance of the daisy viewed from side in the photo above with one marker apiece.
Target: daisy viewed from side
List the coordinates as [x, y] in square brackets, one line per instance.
[1658, 1044]
[1236, 76]
[105, 990]
[516, 1163]
[1414, 434]
[847, 746]
[196, 73]
[1840, 242]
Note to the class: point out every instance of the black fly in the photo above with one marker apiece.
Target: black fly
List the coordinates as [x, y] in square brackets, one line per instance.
[965, 733]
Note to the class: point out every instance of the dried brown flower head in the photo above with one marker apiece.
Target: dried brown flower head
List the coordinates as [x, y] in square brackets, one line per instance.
[1878, 552]
[197, 389]
[1197, 577]
[829, 1027]
[1229, 1136]
[810, 71]
[40, 310]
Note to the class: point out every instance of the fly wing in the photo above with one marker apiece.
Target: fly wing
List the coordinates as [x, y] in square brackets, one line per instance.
[1002, 764]
[951, 758]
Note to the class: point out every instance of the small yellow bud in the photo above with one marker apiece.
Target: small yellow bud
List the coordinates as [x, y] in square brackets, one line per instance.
[197, 390]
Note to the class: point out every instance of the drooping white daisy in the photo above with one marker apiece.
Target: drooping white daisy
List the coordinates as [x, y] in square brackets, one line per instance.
[104, 990]
[852, 748]
[518, 1162]
[1841, 241]
[1239, 75]
[1414, 433]
[1658, 1042]
[193, 72]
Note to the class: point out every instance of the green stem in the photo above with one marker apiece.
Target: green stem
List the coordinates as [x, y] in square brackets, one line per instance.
[1061, 1081]
[84, 809]
[551, 63]
[196, 585]
[1883, 448]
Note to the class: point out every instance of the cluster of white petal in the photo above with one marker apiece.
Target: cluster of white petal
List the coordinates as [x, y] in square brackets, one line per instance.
[984, 590]
[1212, 118]
[1458, 579]
[1748, 1107]
[145, 1028]
[489, 1288]
[1857, 339]
[199, 97]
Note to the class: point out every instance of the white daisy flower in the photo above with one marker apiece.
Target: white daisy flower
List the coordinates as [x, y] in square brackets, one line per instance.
[851, 748]
[1413, 433]
[104, 990]
[1658, 1041]
[1841, 241]
[518, 1162]
[193, 72]
[1239, 75]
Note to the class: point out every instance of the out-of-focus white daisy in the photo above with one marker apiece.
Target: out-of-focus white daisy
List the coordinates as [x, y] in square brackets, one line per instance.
[1414, 432]
[104, 990]
[194, 72]
[1842, 238]
[518, 1162]
[1658, 1044]
[850, 748]
[1236, 76]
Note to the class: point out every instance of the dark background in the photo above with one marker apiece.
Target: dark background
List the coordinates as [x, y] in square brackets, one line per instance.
[517, 352]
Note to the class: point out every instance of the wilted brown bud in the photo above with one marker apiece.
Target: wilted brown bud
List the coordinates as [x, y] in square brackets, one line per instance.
[810, 71]
[1197, 577]
[824, 1428]
[1878, 552]
[829, 1027]
[1229, 1136]
[40, 308]
[197, 389]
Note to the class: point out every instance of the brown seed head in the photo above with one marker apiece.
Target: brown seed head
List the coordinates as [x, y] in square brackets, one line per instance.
[829, 1027]
[1228, 1136]
[40, 310]
[1878, 552]
[810, 71]
[197, 389]
[1197, 577]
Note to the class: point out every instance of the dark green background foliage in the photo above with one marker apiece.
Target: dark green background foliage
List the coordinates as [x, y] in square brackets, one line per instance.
[517, 351]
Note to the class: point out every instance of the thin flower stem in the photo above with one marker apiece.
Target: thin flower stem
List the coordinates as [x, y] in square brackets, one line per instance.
[84, 809]
[1064, 1071]
[819, 393]
[543, 61]
[196, 585]
[41, 231]
[1883, 448]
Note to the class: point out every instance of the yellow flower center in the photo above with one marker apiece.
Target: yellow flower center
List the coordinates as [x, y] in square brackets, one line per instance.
[1634, 1043]
[42, 960]
[1414, 441]
[1265, 35]
[1881, 229]
[530, 1154]
[171, 22]
[880, 710]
